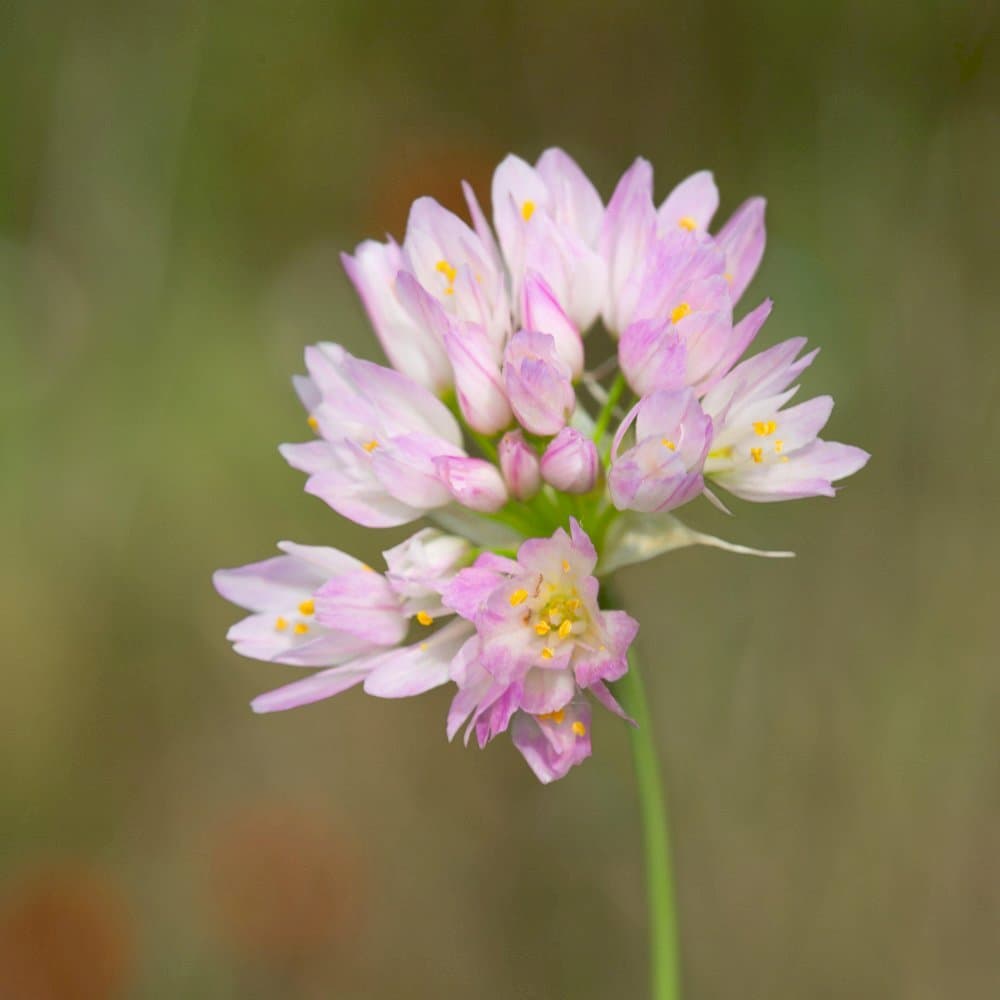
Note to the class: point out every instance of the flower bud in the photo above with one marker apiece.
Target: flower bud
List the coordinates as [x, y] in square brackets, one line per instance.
[473, 482]
[519, 465]
[570, 462]
[538, 383]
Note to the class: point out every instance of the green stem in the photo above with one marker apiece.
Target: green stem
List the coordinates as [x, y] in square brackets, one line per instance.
[604, 417]
[664, 964]
[485, 445]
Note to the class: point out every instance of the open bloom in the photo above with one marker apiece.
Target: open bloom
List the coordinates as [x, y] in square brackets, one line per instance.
[541, 639]
[762, 451]
[318, 607]
[544, 472]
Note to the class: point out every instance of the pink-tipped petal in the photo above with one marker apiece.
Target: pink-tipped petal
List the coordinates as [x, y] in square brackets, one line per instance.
[691, 205]
[552, 746]
[473, 482]
[742, 240]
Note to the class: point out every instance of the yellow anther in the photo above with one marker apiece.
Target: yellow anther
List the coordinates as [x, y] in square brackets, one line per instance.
[726, 452]
[764, 427]
[784, 458]
[447, 270]
[301, 628]
[686, 222]
[518, 597]
[667, 443]
[557, 717]
[579, 728]
[778, 445]
[308, 607]
[573, 604]
[543, 628]
[565, 629]
[757, 454]
[547, 653]
[565, 565]
[424, 647]
[424, 618]
[679, 312]
[728, 276]
[370, 446]
[449, 290]
[527, 210]
[280, 624]
[312, 422]
[367, 569]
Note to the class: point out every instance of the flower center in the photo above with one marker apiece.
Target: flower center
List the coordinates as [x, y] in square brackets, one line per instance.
[679, 312]
[450, 274]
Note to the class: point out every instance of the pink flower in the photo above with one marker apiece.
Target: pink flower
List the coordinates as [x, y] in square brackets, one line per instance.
[380, 436]
[317, 607]
[761, 451]
[548, 218]
[540, 640]
[412, 348]
[281, 594]
[662, 470]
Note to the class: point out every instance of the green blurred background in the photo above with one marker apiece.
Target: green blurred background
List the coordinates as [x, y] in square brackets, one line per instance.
[178, 180]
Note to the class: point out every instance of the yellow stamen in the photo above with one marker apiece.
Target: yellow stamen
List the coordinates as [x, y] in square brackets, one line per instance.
[579, 728]
[757, 454]
[527, 210]
[778, 445]
[543, 628]
[447, 270]
[573, 604]
[565, 629]
[686, 222]
[565, 565]
[370, 446]
[728, 276]
[424, 618]
[667, 443]
[764, 427]
[726, 452]
[557, 717]
[518, 597]
[547, 653]
[424, 647]
[312, 422]
[301, 628]
[308, 607]
[679, 312]
[280, 624]
[784, 458]
[367, 569]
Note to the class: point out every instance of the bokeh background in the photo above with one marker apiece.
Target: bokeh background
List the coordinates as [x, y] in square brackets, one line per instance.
[177, 182]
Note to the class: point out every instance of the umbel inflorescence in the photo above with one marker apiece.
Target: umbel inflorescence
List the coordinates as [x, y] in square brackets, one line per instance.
[538, 472]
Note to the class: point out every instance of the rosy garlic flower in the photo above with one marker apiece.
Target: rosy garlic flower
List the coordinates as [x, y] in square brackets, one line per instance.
[543, 469]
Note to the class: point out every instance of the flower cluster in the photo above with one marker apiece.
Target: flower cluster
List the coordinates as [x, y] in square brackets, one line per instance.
[541, 472]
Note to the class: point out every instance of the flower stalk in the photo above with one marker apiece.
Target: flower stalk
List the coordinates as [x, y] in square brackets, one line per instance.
[663, 937]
